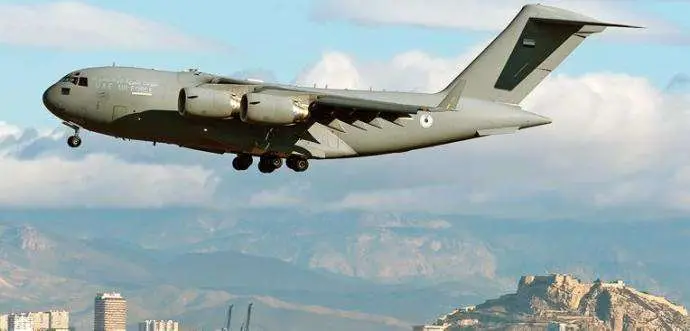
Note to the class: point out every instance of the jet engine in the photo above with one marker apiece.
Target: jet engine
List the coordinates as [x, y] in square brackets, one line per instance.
[268, 109]
[208, 102]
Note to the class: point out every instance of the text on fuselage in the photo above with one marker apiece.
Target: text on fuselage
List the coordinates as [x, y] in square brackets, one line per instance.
[132, 86]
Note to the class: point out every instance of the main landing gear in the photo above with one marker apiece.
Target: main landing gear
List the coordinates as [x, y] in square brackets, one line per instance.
[270, 163]
[73, 141]
[242, 162]
[296, 163]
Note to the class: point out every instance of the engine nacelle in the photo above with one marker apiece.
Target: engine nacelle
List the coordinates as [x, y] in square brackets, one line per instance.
[208, 103]
[267, 109]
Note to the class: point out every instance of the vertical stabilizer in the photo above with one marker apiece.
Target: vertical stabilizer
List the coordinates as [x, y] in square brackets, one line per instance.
[535, 42]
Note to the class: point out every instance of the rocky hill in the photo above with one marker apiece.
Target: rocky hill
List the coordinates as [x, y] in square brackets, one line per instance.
[542, 302]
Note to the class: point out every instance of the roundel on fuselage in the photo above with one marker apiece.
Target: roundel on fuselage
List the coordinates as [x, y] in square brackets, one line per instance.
[426, 120]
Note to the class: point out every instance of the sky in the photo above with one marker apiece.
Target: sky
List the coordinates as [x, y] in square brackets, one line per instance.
[617, 145]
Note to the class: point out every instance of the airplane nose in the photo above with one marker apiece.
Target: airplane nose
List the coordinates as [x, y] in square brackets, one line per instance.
[50, 99]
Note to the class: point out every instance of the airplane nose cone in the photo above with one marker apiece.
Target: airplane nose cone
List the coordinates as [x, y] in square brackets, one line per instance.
[50, 100]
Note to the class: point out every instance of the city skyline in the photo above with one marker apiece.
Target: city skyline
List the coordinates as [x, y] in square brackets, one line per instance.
[109, 311]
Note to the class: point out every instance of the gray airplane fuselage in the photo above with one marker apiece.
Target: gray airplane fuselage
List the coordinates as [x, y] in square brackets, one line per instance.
[142, 104]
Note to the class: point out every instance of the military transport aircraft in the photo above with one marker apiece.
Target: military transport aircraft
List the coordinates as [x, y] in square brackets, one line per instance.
[278, 122]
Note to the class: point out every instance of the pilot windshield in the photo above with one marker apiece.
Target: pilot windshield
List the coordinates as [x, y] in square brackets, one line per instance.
[76, 80]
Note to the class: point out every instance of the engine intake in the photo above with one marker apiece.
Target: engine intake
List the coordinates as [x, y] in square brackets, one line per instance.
[268, 109]
[208, 103]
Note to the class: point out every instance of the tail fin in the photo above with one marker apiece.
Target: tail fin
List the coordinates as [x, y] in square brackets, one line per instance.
[537, 40]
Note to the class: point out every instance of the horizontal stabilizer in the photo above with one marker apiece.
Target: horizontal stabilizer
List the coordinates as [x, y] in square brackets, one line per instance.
[589, 22]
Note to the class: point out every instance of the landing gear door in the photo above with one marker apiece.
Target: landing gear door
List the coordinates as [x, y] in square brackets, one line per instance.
[119, 111]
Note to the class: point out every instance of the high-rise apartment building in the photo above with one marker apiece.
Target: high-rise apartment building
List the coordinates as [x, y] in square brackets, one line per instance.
[110, 312]
[20, 322]
[53, 320]
[158, 325]
[58, 320]
[39, 320]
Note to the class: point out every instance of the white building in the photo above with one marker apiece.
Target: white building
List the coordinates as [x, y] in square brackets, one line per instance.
[53, 320]
[58, 320]
[427, 328]
[110, 312]
[468, 309]
[159, 325]
[19, 322]
[39, 320]
[555, 326]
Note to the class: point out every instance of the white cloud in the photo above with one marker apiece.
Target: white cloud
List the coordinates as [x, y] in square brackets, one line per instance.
[101, 181]
[77, 25]
[493, 15]
[617, 143]
[409, 71]
[288, 196]
[7, 130]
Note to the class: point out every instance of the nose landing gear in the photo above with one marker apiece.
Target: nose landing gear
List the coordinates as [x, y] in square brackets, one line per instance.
[73, 141]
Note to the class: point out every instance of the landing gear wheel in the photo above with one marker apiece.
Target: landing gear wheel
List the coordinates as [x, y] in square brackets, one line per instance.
[266, 168]
[74, 141]
[268, 164]
[242, 162]
[298, 164]
[301, 165]
[275, 162]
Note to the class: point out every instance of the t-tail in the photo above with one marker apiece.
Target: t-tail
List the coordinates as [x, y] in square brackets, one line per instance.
[535, 42]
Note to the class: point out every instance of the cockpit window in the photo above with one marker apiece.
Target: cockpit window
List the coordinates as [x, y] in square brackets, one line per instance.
[74, 79]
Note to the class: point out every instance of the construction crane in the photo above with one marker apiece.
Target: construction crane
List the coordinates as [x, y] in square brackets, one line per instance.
[229, 318]
[245, 324]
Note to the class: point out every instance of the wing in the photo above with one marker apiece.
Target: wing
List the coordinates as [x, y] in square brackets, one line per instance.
[334, 107]
[329, 108]
[324, 99]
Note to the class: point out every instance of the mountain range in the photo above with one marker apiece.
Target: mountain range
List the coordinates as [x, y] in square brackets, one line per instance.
[380, 272]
